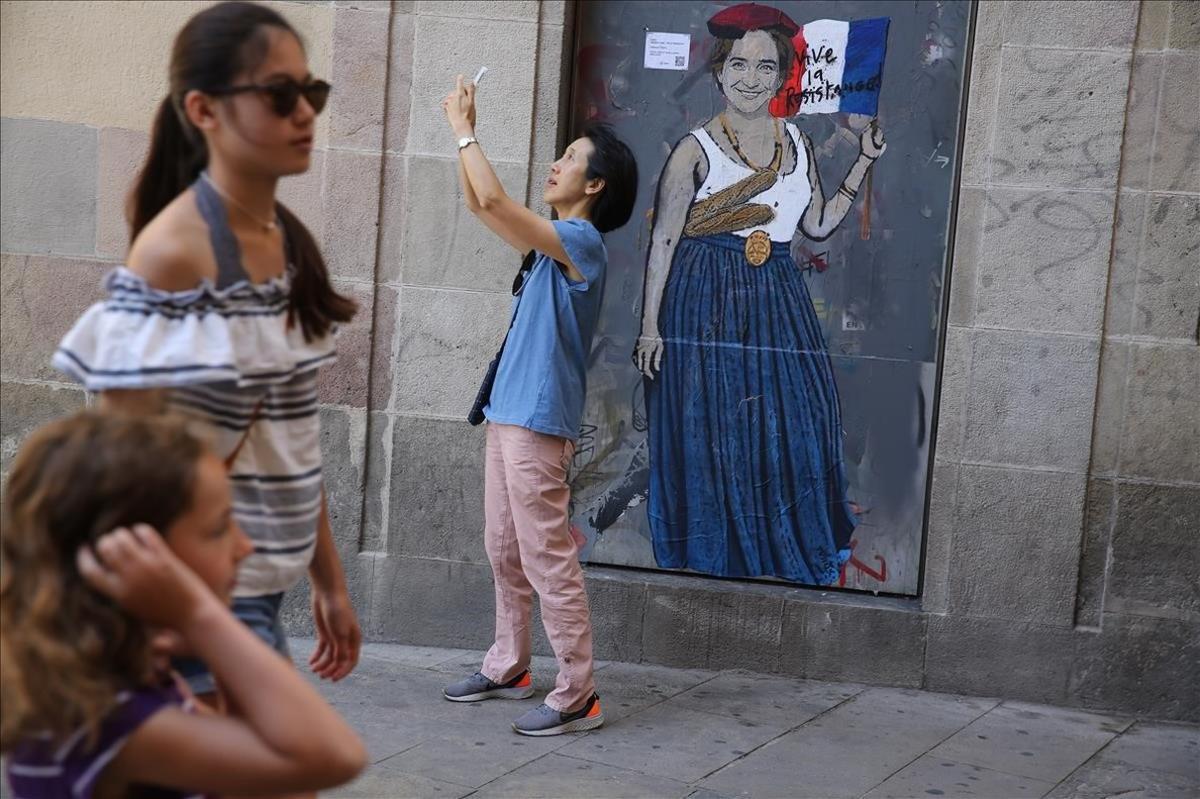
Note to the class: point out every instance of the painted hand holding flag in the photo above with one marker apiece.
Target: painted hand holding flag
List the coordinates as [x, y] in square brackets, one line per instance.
[838, 68]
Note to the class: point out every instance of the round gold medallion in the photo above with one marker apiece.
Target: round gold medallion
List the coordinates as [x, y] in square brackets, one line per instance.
[758, 248]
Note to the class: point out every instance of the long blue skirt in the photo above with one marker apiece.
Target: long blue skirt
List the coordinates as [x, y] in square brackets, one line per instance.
[746, 471]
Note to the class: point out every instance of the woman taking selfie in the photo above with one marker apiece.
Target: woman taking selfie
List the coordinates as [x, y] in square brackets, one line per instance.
[534, 410]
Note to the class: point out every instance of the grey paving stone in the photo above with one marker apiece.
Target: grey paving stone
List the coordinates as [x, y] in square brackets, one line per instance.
[381, 781]
[704, 793]
[420, 656]
[879, 742]
[851, 749]
[933, 775]
[1043, 743]
[1159, 747]
[385, 690]
[767, 700]
[651, 742]
[387, 735]
[402, 693]
[557, 777]
[474, 757]
[627, 688]
[1102, 779]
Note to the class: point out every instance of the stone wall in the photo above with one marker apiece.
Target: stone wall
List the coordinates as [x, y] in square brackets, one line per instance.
[1064, 535]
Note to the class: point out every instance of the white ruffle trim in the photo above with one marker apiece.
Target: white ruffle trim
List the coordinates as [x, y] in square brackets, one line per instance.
[142, 337]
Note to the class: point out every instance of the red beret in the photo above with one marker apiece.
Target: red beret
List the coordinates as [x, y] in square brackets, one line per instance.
[735, 21]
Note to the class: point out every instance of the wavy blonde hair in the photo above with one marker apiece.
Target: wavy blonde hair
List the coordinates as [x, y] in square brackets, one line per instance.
[66, 650]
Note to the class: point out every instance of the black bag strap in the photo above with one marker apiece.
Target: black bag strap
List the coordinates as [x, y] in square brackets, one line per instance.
[518, 281]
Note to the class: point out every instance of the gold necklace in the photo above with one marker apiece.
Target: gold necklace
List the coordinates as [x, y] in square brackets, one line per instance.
[776, 160]
[266, 226]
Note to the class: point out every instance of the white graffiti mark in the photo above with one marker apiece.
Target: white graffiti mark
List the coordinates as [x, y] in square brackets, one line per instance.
[934, 157]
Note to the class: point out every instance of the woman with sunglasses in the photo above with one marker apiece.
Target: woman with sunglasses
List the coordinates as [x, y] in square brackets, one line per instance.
[225, 310]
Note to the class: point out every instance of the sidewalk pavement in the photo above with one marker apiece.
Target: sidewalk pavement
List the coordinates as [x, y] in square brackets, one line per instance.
[707, 735]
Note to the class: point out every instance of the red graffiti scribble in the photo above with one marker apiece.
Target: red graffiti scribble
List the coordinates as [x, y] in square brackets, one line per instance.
[786, 102]
[578, 537]
[880, 575]
[814, 260]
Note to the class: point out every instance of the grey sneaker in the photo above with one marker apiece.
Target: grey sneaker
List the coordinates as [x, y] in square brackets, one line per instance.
[545, 720]
[477, 687]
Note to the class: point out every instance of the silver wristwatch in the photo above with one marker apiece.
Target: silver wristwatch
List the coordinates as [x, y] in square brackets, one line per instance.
[466, 141]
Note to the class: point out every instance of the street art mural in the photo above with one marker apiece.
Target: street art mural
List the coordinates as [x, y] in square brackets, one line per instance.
[782, 296]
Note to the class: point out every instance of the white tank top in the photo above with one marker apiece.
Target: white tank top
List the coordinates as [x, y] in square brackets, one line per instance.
[788, 197]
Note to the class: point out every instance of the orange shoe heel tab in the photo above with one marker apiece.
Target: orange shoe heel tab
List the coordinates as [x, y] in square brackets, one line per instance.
[595, 711]
[525, 681]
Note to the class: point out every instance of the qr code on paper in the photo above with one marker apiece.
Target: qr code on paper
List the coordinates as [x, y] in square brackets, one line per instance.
[679, 61]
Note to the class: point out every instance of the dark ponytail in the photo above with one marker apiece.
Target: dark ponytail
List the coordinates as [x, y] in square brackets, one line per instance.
[175, 159]
[211, 50]
[313, 302]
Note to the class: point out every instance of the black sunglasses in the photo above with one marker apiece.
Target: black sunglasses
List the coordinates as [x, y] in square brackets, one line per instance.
[284, 95]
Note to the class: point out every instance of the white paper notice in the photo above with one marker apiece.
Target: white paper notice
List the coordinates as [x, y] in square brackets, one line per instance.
[667, 50]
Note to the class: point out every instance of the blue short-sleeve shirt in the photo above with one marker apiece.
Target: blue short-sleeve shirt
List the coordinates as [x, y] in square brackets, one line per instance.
[542, 378]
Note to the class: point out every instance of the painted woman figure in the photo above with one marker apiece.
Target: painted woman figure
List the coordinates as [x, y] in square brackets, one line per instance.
[746, 471]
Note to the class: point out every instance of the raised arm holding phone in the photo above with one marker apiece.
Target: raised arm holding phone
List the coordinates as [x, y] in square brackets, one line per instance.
[533, 403]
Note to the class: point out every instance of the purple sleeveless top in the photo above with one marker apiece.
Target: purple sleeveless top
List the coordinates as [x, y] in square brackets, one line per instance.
[40, 768]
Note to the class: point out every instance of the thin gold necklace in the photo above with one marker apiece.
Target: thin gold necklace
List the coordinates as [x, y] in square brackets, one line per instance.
[266, 226]
[776, 159]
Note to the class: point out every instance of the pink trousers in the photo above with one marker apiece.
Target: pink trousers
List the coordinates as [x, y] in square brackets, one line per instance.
[529, 544]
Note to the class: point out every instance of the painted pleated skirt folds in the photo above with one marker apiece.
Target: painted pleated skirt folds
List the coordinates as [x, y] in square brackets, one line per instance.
[746, 470]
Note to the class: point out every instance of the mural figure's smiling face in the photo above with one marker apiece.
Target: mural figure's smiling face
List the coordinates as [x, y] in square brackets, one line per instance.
[750, 76]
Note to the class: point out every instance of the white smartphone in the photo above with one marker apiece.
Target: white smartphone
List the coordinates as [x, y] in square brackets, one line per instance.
[479, 75]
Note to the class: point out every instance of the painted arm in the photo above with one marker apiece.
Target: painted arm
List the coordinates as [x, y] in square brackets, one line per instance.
[286, 739]
[685, 170]
[485, 195]
[824, 215]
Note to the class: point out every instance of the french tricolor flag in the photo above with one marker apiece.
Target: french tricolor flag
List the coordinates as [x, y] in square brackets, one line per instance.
[838, 69]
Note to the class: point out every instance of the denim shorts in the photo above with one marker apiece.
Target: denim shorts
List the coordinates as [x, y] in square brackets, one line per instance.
[261, 615]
